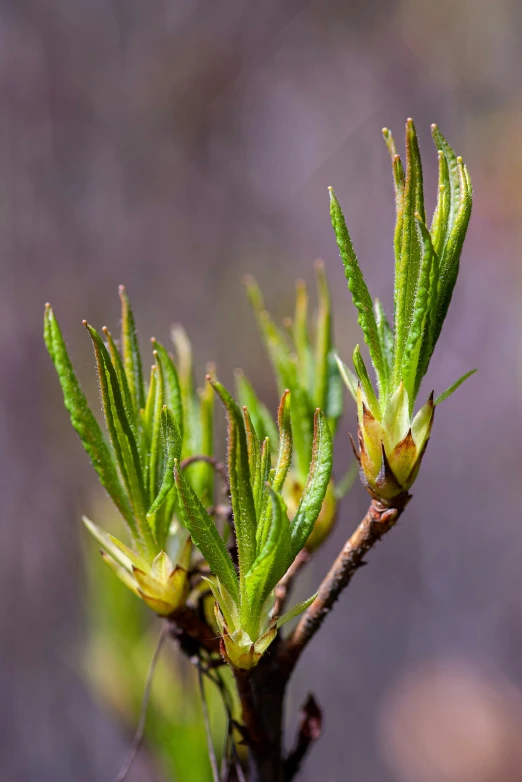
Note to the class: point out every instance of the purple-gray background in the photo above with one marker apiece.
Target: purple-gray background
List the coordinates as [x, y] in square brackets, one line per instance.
[174, 146]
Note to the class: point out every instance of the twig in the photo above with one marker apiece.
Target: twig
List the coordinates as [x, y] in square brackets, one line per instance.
[206, 720]
[140, 730]
[285, 585]
[310, 729]
[215, 678]
[378, 520]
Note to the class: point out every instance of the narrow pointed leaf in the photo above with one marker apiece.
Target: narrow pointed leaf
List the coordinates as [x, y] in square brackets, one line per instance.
[347, 481]
[122, 574]
[205, 535]
[334, 396]
[350, 379]
[417, 328]
[398, 171]
[254, 459]
[185, 374]
[83, 420]
[155, 452]
[202, 476]
[120, 430]
[122, 380]
[275, 341]
[357, 285]
[301, 336]
[107, 542]
[316, 485]
[274, 558]
[131, 351]
[172, 389]
[362, 372]
[407, 268]
[323, 340]
[261, 418]
[240, 486]
[295, 611]
[441, 216]
[263, 513]
[453, 171]
[385, 338]
[171, 440]
[449, 391]
[284, 456]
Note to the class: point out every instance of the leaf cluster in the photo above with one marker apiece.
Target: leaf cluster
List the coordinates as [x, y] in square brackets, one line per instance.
[267, 541]
[426, 268]
[303, 359]
[149, 426]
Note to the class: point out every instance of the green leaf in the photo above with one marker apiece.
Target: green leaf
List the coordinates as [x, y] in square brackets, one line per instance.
[357, 285]
[123, 557]
[226, 604]
[289, 376]
[275, 341]
[263, 513]
[362, 372]
[334, 398]
[241, 496]
[171, 439]
[301, 337]
[385, 337]
[186, 381]
[122, 380]
[398, 171]
[254, 460]
[323, 340]
[202, 474]
[408, 265]
[448, 392]
[417, 330]
[316, 484]
[120, 431]
[83, 420]
[205, 535]
[171, 384]
[271, 563]
[348, 376]
[131, 351]
[295, 611]
[459, 212]
[261, 418]
[154, 460]
[450, 256]
[284, 456]
[453, 173]
[441, 216]
[347, 481]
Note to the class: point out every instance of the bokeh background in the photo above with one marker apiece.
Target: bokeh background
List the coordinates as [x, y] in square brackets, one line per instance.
[174, 146]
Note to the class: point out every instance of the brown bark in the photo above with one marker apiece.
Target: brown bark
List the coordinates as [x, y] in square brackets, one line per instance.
[378, 520]
[262, 689]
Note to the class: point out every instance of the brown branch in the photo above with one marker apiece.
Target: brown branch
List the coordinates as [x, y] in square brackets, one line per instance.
[378, 520]
[261, 693]
[310, 729]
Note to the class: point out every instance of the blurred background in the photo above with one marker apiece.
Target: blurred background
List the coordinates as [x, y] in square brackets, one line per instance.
[174, 146]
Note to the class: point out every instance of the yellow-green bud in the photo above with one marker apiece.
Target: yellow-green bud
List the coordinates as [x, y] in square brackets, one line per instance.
[391, 445]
